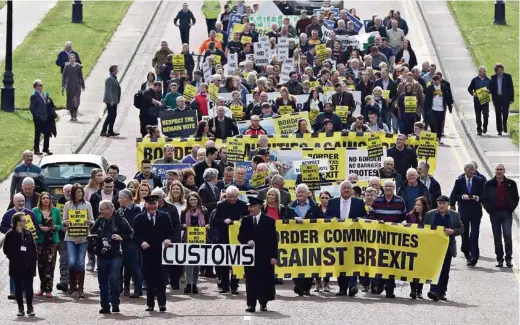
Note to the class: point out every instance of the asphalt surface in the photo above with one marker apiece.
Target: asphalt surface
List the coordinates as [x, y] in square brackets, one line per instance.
[479, 295]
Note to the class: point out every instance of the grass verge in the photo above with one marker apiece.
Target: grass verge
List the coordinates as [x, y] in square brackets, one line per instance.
[35, 59]
[513, 124]
[2, 3]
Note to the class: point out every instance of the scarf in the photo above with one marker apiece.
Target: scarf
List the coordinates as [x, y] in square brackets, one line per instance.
[198, 214]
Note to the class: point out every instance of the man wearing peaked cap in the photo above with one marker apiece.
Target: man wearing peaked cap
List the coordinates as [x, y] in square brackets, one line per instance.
[153, 230]
[450, 220]
[258, 230]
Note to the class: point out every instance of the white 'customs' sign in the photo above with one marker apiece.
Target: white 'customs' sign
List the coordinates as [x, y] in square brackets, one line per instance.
[208, 254]
[232, 62]
[283, 48]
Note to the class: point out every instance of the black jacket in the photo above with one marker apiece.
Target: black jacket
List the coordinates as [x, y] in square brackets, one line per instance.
[435, 191]
[157, 181]
[96, 198]
[412, 62]
[447, 98]
[20, 262]
[294, 88]
[199, 169]
[103, 230]
[209, 196]
[490, 194]
[398, 179]
[129, 214]
[404, 159]
[230, 127]
[224, 211]
[154, 235]
[171, 211]
[403, 192]
[392, 86]
[508, 91]
[119, 185]
[313, 213]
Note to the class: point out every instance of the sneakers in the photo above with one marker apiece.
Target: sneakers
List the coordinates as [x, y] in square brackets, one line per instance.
[62, 287]
[30, 312]
[20, 313]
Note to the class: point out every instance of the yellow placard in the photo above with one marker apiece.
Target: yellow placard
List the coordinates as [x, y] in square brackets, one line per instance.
[29, 225]
[386, 94]
[235, 149]
[60, 207]
[374, 146]
[327, 89]
[288, 124]
[237, 28]
[238, 111]
[285, 110]
[356, 247]
[351, 87]
[410, 104]
[314, 84]
[342, 112]
[196, 235]
[482, 95]
[246, 39]
[321, 52]
[258, 179]
[219, 37]
[217, 59]
[313, 113]
[427, 145]
[178, 62]
[78, 223]
[311, 176]
[213, 92]
[189, 93]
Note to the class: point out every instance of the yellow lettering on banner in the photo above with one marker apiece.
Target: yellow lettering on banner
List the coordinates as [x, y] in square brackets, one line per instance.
[314, 84]
[29, 225]
[321, 52]
[238, 111]
[213, 92]
[386, 94]
[178, 62]
[217, 59]
[483, 95]
[238, 28]
[258, 179]
[285, 110]
[246, 39]
[189, 93]
[427, 144]
[363, 246]
[410, 104]
[342, 112]
[196, 235]
[374, 146]
[78, 223]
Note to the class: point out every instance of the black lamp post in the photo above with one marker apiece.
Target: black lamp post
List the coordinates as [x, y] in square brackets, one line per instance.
[8, 89]
[77, 12]
[500, 13]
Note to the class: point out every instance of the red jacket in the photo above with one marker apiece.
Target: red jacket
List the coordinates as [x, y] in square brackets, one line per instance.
[202, 100]
[259, 131]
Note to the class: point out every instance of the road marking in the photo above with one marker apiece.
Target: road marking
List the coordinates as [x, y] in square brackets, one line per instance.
[247, 317]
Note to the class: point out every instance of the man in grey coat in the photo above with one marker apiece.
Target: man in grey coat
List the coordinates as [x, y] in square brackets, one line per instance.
[450, 220]
[111, 98]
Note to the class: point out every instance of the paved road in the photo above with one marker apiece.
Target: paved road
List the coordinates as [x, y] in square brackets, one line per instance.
[482, 295]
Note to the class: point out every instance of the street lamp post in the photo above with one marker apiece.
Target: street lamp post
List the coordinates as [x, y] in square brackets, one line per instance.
[8, 89]
[77, 12]
[500, 13]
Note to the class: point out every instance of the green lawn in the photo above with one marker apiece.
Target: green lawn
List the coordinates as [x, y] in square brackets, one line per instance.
[513, 128]
[35, 59]
[2, 3]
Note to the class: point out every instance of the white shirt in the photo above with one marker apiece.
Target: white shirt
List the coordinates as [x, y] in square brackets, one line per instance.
[150, 218]
[406, 56]
[437, 104]
[257, 218]
[344, 208]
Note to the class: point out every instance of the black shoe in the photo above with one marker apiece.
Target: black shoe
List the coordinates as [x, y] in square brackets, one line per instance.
[473, 262]
[104, 311]
[187, 290]
[30, 311]
[149, 308]
[263, 307]
[234, 291]
[47, 152]
[11, 297]
[509, 264]
[250, 309]
[468, 257]
[175, 287]
[21, 313]
[366, 288]
[390, 295]
[500, 264]
[104, 134]
[62, 287]
[115, 309]
[37, 153]
[505, 128]
[413, 295]
[135, 295]
[443, 298]
[419, 295]
[352, 291]
[341, 293]
[195, 290]
[479, 132]
[298, 291]
[499, 133]
[306, 293]
[484, 130]
[223, 291]
[113, 134]
[279, 281]
[162, 309]
[433, 296]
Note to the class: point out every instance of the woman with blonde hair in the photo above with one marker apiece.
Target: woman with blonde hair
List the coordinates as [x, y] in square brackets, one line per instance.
[95, 182]
[286, 103]
[272, 206]
[132, 186]
[143, 190]
[176, 196]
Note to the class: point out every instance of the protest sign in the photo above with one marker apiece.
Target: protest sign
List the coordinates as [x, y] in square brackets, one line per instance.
[361, 164]
[354, 248]
[213, 92]
[237, 28]
[288, 124]
[29, 225]
[162, 169]
[248, 165]
[410, 104]
[336, 159]
[190, 92]
[261, 49]
[206, 71]
[321, 54]
[311, 176]
[283, 48]
[283, 110]
[258, 179]
[322, 10]
[386, 94]
[78, 223]
[208, 254]
[179, 123]
[343, 113]
[375, 146]
[238, 111]
[322, 163]
[329, 24]
[287, 68]
[196, 235]
[178, 62]
[232, 64]
[233, 19]
[235, 149]
[483, 95]
[313, 113]
[427, 144]
[358, 25]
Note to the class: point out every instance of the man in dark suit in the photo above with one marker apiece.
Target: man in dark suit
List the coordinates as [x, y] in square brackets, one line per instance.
[278, 182]
[227, 212]
[208, 191]
[503, 92]
[343, 98]
[111, 98]
[341, 208]
[222, 126]
[467, 192]
[153, 230]
[259, 230]
[41, 117]
[450, 220]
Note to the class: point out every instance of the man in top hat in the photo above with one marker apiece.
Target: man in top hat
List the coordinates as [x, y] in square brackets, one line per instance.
[153, 230]
[258, 230]
[450, 220]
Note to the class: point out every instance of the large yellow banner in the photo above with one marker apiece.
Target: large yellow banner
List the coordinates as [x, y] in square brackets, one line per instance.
[360, 248]
[153, 149]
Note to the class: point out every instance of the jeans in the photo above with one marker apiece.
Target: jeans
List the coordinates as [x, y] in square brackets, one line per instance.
[108, 126]
[11, 285]
[395, 123]
[501, 104]
[442, 286]
[386, 117]
[23, 283]
[470, 236]
[39, 130]
[132, 267]
[76, 256]
[192, 275]
[481, 111]
[501, 223]
[109, 277]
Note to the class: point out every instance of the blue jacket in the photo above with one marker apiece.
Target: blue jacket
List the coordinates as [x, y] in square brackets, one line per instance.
[314, 211]
[7, 224]
[63, 57]
[357, 208]
[22, 171]
[468, 208]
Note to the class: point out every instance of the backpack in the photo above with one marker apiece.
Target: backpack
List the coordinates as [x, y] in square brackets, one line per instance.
[138, 99]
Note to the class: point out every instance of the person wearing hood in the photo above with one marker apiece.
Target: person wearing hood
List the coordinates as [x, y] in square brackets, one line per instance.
[412, 189]
[160, 58]
[388, 172]
[327, 114]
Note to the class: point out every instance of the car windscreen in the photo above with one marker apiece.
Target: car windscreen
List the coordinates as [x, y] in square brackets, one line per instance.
[64, 170]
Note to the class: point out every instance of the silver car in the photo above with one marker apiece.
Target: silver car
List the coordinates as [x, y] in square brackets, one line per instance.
[298, 6]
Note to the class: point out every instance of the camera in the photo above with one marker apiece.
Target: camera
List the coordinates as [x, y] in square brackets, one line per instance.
[105, 245]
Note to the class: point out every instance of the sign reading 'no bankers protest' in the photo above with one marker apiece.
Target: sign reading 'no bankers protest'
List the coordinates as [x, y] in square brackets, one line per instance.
[364, 247]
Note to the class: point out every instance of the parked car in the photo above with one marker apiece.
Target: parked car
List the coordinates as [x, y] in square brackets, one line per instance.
[298, 6]
[60, 170]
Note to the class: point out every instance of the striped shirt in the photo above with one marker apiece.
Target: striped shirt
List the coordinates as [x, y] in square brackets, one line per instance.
[388, 211]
